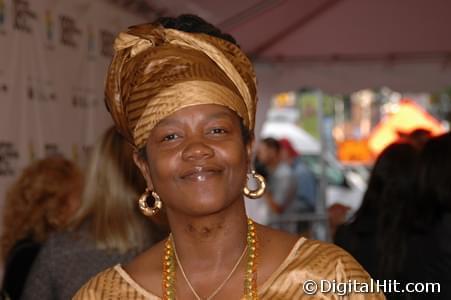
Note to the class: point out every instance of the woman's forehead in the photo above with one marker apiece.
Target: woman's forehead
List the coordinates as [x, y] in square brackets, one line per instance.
[204, 111]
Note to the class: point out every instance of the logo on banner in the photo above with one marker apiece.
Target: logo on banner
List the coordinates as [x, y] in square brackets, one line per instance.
[30, 93]
[43, 92]
[49, 29]
[8, 156]
[31, 151]
[81, 157]
[49, 25]
[79, 101]
[2, 16]
[2, 12]
[70, 33]
[106, 43]
[75, 154]
[84, 98]
[91, 42]
[51, 150]
[23, 15]
[3, 88]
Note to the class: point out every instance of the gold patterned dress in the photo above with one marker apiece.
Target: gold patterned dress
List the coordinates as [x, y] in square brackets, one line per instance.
[311, 264]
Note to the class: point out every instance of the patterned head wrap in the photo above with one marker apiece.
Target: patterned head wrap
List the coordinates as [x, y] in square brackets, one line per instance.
[156, 71]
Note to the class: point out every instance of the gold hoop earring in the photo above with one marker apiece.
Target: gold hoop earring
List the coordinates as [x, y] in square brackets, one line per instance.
[257, 193]
[145, 208]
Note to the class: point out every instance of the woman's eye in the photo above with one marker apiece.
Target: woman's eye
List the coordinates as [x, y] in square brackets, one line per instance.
[218, 131]
[170, 137]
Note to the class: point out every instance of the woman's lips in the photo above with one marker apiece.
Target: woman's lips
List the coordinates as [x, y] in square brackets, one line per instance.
[200, 174]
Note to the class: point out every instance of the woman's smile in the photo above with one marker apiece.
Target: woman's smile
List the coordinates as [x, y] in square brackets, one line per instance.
[201, 173]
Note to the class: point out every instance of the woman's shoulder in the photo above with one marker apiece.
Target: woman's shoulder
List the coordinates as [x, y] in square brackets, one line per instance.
[328, 260]
[306, 254]
[113, 282]
[146, 268]
[316, 257]
[102, 283]
[312, 261]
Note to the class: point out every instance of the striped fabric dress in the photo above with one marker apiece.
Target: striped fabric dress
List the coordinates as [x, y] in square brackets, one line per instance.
[308, 261]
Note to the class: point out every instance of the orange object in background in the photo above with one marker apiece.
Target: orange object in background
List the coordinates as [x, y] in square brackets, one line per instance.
[354, 151]
[409, 117]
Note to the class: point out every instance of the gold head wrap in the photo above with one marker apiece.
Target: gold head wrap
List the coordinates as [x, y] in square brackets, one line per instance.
[156, 71]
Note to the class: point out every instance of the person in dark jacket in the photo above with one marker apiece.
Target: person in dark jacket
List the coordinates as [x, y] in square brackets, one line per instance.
[376, 235]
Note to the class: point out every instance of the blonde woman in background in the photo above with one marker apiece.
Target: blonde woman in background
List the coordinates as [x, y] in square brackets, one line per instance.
[108, 228]
[43, 198]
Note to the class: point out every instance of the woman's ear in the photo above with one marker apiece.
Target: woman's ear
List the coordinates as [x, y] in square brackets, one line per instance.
[144, 168]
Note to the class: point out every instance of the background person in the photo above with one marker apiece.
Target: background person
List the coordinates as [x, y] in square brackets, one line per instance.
[418, 137]
[39, 202]
[305, 185]
[428, 255]
[280, 191]
[378, 236]
[107, 229]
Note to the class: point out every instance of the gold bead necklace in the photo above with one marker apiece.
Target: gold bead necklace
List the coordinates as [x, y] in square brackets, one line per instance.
[250, 282]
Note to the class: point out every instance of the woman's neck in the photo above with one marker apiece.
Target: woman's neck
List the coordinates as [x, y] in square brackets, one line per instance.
[208, 243]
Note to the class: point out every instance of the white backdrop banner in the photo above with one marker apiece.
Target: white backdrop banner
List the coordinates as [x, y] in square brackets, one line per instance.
[53, 60]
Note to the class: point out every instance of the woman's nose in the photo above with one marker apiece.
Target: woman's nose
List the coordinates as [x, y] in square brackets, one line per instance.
[197, 149]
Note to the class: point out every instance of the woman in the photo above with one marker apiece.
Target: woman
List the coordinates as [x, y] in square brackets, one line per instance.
[40, 202]
[184, 96]
[430, 220]
[108, 228]
[377, 235]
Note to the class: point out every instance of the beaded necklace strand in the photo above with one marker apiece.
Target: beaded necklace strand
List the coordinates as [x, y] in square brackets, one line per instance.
[250, 281]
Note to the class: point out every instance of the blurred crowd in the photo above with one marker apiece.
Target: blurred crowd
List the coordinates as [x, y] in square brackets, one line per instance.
[60, 227]
[402, 229]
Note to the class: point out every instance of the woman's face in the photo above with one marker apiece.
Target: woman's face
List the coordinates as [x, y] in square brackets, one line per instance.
[197, 160]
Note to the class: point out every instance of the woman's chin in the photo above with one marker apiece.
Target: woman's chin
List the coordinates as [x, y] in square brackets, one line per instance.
[205, 206]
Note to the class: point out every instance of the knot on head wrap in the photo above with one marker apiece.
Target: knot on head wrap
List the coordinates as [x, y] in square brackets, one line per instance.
[156, 71]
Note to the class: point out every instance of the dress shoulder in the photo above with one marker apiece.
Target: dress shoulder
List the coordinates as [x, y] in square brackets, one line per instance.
[110, 284]
[309, 260]
[316, 261]
[329, 261]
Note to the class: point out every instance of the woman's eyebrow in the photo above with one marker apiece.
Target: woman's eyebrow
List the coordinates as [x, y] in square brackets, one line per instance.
[218, 115]
[174, 121]
[168, 121]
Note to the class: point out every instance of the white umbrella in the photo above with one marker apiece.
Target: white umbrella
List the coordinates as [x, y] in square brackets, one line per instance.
[302, 141]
